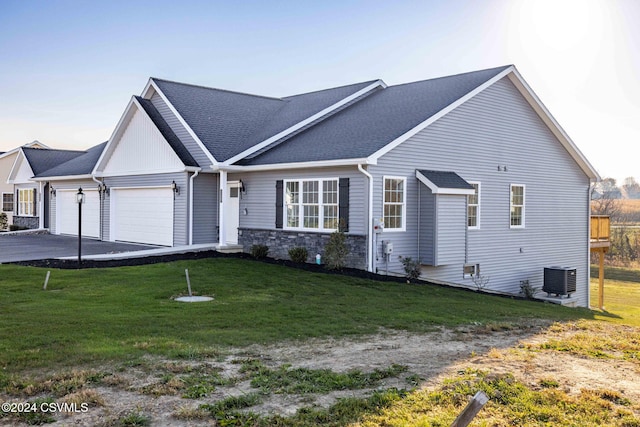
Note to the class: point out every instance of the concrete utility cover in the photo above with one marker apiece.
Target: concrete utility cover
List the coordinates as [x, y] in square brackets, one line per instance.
[194, 299]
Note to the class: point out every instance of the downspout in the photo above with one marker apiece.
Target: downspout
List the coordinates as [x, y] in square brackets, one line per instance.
[40, 206]
[222, 240]
[101, 195]
[369, 225]
[191, 180]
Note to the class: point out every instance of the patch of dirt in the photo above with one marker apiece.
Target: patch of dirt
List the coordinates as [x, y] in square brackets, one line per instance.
[429, 358]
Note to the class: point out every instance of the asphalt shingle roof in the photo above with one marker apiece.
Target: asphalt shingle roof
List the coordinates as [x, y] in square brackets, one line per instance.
[229, 123]
[446, 179]
[43, 159]
[370, 124]
[79, 165]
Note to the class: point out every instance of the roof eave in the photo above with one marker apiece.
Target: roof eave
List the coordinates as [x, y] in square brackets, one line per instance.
[61, 177]
[546, 116]
[294, 165]
[151, 84]
[411, 132]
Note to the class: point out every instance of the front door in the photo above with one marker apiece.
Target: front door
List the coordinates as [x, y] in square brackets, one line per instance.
[232, 212]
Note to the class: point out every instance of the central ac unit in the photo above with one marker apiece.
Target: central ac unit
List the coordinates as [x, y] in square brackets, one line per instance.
[559, 280]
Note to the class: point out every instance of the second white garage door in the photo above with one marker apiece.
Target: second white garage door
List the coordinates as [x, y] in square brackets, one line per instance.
[142, 215]
[67, 213]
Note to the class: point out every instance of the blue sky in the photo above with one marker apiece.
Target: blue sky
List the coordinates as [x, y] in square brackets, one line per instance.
[68, 68]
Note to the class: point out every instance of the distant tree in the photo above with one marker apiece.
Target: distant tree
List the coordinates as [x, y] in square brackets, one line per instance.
[631, 188]
[605, 197]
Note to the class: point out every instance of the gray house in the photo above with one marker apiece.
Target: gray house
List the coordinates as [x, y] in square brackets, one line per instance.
[469, 174]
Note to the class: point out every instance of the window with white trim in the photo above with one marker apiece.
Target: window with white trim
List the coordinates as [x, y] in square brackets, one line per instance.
[311, 204]
[473, 207]
[7, 202]
[25, 202]
[517, 204]
[394, 203]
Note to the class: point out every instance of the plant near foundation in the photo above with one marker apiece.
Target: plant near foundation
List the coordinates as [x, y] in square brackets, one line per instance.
[259, 251]
[527, 289]
[480, 281]
[298, 254]
[3, 221]
[336, 251]
[411, 268]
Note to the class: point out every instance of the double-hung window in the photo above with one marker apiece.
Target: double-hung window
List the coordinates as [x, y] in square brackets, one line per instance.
[26, 202]
[473, 207]
[7, 202]
[311, 204]
[394, 205]
[517, 205]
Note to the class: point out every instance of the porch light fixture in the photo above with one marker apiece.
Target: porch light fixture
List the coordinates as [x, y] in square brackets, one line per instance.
[80, 200]
[243, 189]
[52, 191]
[102, 188]
[175, 187]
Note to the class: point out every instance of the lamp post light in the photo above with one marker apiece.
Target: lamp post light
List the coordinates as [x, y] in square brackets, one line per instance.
[80, 201]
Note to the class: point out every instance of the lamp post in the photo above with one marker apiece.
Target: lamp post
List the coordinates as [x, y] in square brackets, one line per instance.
[80, 201]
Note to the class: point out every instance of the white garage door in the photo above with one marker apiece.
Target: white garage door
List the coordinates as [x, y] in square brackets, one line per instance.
[142, 215]
[67, 213]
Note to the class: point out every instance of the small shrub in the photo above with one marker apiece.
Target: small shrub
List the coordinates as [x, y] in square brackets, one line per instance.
[480, 281]
[259, 251]
[527, 289]
[3, 221]
[14, 227]
[411, 267]
[298, 254]
[336, 251]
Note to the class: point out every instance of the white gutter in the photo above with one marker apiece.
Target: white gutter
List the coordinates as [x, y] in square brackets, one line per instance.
[369, 225]
[298, 165]
[195, 173]
[62, 178]
[41, 206]
[222, 239]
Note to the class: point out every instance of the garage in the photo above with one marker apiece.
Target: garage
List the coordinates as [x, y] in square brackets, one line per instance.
[142, 215]
[67, 213]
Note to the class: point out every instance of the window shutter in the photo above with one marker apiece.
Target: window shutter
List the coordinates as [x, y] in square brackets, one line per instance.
[17, 200]
[343, 204]
[35, 202]
[279, 203]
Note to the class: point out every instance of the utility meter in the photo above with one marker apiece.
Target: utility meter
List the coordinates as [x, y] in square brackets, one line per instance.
[378, 225]
[387, 248]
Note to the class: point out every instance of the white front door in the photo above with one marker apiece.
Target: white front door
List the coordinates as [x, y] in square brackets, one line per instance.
[232, 212]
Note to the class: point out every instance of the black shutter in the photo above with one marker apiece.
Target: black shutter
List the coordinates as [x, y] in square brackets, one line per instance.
[16, 203]
[279, 203]
[35, 202]
[343, 204]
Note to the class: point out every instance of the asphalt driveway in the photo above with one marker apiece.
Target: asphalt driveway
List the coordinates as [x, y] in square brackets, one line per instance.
[29, 247]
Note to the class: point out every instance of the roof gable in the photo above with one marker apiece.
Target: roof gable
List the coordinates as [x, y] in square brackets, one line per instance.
[33, 161]
[137, 146]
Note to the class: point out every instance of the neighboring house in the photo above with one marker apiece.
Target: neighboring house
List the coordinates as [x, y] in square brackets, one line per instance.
[63, 182]
[7, 193]
[468, 174]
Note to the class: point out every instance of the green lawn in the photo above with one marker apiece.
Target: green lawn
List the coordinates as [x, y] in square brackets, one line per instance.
[120, 314]
[621, 294]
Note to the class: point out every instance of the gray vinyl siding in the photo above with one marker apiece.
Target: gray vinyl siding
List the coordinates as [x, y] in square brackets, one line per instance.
[180, 205]
[66, 185]
[205, 208]
[497, 128]
[181, 131]
[427, 228]
[260, 202]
